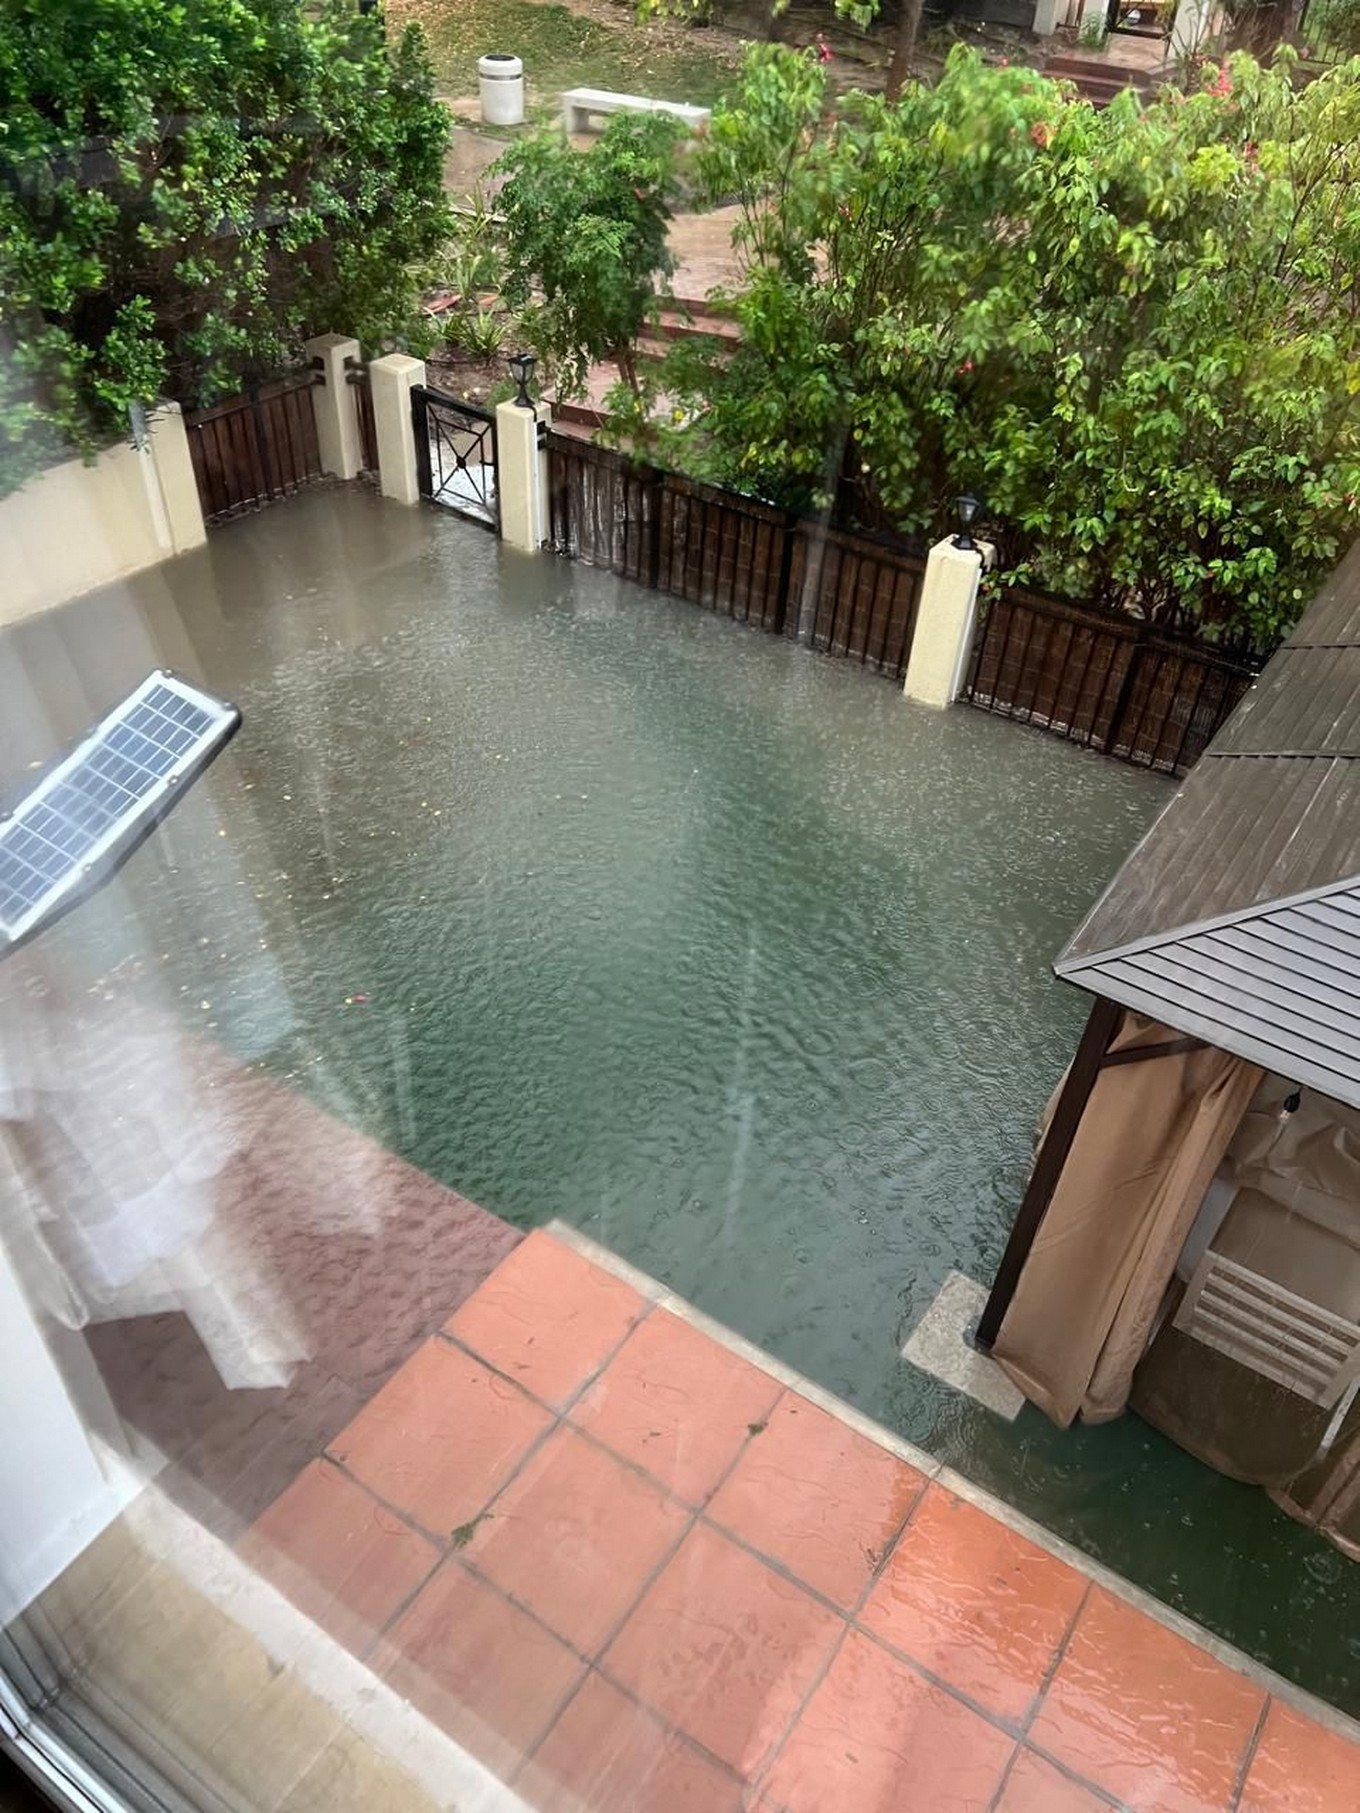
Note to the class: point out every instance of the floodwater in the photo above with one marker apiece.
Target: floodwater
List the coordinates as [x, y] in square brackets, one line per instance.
[595, 906]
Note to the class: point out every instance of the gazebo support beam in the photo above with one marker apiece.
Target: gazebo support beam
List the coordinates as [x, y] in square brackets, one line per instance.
[1052, 1156]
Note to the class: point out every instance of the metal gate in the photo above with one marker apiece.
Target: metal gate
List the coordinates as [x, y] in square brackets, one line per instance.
[456, 454]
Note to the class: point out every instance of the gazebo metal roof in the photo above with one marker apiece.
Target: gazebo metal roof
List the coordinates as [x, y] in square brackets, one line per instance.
[1237, 918]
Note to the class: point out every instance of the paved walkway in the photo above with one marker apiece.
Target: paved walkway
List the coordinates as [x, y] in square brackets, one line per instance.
[633, 1565]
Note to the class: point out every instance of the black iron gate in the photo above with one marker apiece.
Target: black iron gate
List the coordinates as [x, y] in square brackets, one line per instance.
[456, 454]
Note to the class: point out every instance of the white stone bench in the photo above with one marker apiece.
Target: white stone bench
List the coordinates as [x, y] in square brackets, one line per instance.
[582, 106]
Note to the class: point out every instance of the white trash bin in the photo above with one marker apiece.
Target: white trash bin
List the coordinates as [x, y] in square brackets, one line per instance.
[500, 81]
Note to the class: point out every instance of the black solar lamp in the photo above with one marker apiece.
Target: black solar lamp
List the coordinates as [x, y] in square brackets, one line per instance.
[966, 508]
[522, 370]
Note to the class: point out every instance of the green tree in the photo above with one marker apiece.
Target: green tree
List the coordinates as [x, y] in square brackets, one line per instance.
[189, 188]
[585, 240]
[1133, 330]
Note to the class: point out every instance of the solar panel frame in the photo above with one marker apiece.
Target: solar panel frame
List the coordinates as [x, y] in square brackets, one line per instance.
[92, 809]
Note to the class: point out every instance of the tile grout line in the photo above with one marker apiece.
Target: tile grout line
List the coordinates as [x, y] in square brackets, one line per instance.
[444, 1544]
[999, 1792]
[1248, 1757]
[323, 1665]
[1055, 1663]
[850, 1622]
[1065, 1769]
[559, 1417]
[594, 1665]
[1037, 1700]
[1024, 1741]
[1288, 1692]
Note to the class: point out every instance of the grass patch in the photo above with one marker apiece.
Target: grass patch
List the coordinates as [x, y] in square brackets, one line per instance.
[561, 49]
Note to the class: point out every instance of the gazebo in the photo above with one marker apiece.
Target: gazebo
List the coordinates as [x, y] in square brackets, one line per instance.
[1189, 1240]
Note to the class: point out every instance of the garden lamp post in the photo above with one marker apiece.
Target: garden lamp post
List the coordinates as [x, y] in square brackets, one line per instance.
[522, 370]
[966, 509]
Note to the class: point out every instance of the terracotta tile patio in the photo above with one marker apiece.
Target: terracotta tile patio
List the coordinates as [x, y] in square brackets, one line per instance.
[631, 1566]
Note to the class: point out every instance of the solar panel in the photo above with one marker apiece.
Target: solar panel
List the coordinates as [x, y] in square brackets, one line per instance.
[91, 811]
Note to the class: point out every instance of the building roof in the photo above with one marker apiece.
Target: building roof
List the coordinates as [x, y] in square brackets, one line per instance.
[1237, 918]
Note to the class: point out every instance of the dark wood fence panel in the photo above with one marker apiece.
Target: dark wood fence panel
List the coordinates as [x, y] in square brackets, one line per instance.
[252, 449]
[724, 552]
[1104, 681]
[847, 594]
[856, 596]
[604, 508]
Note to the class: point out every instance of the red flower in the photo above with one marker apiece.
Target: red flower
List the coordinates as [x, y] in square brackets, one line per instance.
[961, 371]
[1042, 134]
[1224, 83]
[824, 51]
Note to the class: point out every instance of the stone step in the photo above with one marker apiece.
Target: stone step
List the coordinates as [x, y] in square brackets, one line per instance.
[1099, 79]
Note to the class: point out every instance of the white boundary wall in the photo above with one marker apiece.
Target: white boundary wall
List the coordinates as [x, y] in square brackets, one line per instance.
[78, 526]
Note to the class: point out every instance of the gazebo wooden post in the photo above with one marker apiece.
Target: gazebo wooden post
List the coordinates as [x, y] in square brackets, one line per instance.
[1048, 1164]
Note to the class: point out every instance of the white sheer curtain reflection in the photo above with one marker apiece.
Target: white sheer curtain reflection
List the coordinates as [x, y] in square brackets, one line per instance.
[112, 1154]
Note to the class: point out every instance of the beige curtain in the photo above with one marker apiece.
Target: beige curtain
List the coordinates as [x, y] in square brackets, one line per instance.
[1148, 1144]
[1293, 1213]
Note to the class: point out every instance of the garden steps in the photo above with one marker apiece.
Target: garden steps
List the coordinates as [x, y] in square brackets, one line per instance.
[686, 320]
[1099, 79]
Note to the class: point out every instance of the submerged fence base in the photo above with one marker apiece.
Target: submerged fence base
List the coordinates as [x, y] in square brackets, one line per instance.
[1094, 677]
[1105, 681]
[846, 594]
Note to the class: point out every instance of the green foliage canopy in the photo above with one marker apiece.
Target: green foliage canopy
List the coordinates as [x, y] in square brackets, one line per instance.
[1136, 332]
[188, 189]
[585, 239]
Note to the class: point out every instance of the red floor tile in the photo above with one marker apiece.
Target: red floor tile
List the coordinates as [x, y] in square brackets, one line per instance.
[724, 1648]
[975, 1603]
[818, 1497]
[678, 1403]
[1035, 1786]
[482, 1670]
[1301, 1767]
[877, 1738]
[339, 1555]
[606, 1754]
[440, 1438]
[576, 1537]
[548, 1318]
[1146, 1715]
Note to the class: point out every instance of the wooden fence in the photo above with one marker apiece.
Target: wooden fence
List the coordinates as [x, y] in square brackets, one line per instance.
[252, 449]
[847, 594]
[1102, 680]
[1092, 676]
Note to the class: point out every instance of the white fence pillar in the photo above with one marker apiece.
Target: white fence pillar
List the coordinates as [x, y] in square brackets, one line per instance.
[522, 475]
[337, 418]
[392, 380]
[175, 504]
[945, 618]
[1046, 17]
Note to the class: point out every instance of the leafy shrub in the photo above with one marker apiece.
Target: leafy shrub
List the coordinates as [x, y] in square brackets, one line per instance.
[1132, 331]
[190, 190]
